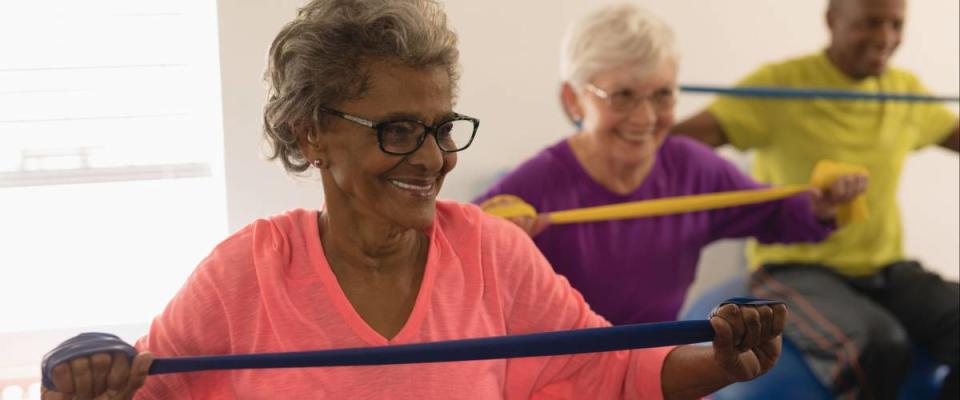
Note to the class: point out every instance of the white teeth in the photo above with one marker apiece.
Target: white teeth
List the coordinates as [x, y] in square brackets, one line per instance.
[408, 186]
[635, 136]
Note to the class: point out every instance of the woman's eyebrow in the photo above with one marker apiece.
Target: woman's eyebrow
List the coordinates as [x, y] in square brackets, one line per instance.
[408, 116]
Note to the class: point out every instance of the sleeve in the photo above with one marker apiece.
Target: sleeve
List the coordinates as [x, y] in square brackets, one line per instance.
[789, 220]
[933, 121]
[193, 323]
[536, 299]
[747, 122]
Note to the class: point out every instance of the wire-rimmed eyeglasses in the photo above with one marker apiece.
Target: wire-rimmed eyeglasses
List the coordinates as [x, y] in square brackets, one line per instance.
[625, 100]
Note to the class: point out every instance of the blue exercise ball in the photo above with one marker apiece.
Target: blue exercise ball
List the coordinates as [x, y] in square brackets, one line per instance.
[791, 378]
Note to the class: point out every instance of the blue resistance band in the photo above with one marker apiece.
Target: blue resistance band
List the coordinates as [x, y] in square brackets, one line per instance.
[788, 93]
[577, 341]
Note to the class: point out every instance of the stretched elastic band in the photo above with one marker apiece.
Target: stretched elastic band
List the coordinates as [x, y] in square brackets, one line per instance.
[577, 341]
[675, 205]
[794, 93]
[530, 345]
[824, 173]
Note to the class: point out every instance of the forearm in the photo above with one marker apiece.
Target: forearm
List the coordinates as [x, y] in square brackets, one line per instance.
[952, 141]
[691, 372]
[703, 127]
[789, 220]
[800, 220]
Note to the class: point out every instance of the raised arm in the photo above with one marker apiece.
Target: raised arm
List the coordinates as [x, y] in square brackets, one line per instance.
[193, 323]
[703, 127]
[747, 344]
[747, 341]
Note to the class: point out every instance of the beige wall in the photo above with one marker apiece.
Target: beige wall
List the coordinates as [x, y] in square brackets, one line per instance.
[255, 188]
[509, 54]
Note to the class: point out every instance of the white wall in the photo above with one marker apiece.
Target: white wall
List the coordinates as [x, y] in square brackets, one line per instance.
[255, 188]
[509, 53]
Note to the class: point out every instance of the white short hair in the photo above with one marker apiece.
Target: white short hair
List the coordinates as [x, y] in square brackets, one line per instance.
[614, 36]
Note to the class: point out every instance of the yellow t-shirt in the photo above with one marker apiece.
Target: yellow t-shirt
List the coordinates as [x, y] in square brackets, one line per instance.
[791, 135]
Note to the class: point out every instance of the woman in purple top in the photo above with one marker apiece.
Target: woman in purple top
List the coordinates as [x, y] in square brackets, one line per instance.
[619, 69]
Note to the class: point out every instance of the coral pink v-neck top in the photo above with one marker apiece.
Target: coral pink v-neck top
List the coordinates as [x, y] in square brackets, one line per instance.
[268, 288]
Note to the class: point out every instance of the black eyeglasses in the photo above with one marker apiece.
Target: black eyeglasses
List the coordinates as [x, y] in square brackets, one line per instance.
[402, 137]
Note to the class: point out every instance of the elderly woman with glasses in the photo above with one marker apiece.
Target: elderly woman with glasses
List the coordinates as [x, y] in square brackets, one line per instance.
[619, 71]
[362, 94]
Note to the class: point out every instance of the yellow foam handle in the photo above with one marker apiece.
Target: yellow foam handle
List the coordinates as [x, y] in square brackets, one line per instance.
[825, 172]
[509, 206]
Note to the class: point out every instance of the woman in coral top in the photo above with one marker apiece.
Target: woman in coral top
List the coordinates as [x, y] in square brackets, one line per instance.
[362, 94]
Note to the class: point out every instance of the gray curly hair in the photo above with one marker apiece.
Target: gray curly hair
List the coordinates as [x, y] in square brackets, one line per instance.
[319, 57]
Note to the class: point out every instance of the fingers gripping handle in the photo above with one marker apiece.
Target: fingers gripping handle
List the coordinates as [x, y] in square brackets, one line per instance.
[82, 345]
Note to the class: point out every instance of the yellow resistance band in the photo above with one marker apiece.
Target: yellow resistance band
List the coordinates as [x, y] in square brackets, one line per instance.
[824, 174]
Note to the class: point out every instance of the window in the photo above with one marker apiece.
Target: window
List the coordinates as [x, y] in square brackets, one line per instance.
[111, 186]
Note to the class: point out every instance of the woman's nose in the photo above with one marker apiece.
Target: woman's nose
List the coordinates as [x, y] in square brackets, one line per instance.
[644, 112]
[428, 155]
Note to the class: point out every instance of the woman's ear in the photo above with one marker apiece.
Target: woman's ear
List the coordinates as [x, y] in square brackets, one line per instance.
[312, 147]
[571, 103]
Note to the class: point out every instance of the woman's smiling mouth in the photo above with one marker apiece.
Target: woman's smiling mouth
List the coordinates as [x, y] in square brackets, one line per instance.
[417, 187]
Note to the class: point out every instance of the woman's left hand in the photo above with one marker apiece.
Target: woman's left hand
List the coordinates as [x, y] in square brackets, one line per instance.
[531, 225]
[747, 342]
[843, 190]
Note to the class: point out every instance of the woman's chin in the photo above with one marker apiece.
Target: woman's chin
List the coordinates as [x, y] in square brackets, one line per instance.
[637, 152]
[419, 218]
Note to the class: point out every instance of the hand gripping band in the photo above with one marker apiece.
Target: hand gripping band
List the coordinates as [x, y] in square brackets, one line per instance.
[82, 345]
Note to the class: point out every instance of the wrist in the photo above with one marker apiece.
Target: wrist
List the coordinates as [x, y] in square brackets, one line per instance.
[828, 221]
[693, 371]
[825, 214]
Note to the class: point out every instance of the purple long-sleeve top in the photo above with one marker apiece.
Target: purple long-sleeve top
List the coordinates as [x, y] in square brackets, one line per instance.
[639, 270]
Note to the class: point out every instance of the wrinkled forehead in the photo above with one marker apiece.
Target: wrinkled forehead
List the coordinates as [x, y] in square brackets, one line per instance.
[394, 88]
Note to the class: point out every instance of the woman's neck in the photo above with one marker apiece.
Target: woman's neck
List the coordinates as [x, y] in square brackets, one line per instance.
[354, 244]
[615, 175]
[379, 269]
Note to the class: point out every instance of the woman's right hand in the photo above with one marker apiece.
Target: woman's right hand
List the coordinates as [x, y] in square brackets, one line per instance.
[531, 225]
[101, 376]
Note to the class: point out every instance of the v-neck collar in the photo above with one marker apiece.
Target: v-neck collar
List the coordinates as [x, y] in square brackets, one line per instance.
[346, 309]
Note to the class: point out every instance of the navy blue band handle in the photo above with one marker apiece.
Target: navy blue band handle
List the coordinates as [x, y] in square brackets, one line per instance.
[810, 93]
[743, 301]
[577, 341]
[82, 345]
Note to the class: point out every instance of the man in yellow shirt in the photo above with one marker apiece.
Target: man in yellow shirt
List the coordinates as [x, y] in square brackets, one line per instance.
[856, 303]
